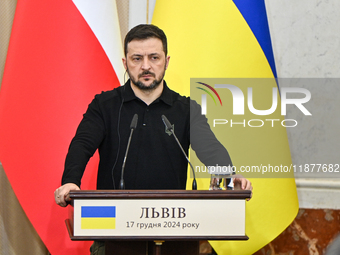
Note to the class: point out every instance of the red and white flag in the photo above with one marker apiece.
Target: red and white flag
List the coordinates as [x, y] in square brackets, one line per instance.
[61, 54]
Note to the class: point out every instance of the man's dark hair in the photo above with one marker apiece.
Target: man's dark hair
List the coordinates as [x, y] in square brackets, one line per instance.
[145, 31]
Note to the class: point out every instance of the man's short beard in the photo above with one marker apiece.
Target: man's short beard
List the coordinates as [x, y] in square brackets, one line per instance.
[142, 86]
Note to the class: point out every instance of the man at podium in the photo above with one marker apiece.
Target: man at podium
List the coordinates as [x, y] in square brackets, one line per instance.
[150, 158]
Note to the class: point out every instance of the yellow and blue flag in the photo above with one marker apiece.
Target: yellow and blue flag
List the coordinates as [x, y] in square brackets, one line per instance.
[230, 39]
[98, 217]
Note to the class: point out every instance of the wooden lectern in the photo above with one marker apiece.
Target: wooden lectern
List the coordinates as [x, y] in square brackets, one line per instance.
[156, 221]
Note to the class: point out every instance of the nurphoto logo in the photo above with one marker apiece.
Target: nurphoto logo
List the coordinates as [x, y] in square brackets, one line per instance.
[242, 98]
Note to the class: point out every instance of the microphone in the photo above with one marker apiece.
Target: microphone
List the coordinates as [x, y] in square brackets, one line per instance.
[170, 128]
[133, 126]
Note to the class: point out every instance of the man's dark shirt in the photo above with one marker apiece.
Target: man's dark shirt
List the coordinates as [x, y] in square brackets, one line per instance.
[154, 160]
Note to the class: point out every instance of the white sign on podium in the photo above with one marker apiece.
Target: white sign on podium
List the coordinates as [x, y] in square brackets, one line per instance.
[174, 217]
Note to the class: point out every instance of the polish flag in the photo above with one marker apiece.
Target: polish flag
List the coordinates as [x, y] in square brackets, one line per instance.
[61, 54]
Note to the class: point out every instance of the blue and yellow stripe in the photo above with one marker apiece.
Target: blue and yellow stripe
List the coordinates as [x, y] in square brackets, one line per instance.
[98, 217]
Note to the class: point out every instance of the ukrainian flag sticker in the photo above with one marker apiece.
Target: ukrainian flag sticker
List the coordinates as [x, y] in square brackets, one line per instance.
[98, 217]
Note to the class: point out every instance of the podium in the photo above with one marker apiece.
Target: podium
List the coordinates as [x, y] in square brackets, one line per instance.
[156, 221]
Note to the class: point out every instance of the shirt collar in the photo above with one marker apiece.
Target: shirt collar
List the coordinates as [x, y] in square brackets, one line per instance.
[129, 95]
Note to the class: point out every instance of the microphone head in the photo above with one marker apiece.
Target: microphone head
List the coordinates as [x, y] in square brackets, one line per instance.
[167, 123]
[134, 121]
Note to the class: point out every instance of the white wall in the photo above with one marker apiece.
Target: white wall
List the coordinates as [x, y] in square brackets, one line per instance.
[306, 42]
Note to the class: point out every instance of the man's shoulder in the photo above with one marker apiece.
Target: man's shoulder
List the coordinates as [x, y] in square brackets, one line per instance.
[178, 98]
[109, 95]
[184, 100]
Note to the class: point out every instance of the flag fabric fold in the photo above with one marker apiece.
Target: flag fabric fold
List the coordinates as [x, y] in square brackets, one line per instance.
[221, 39]
[54, 67]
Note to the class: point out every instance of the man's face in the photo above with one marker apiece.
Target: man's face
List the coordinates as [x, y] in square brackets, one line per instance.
[146, 63]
